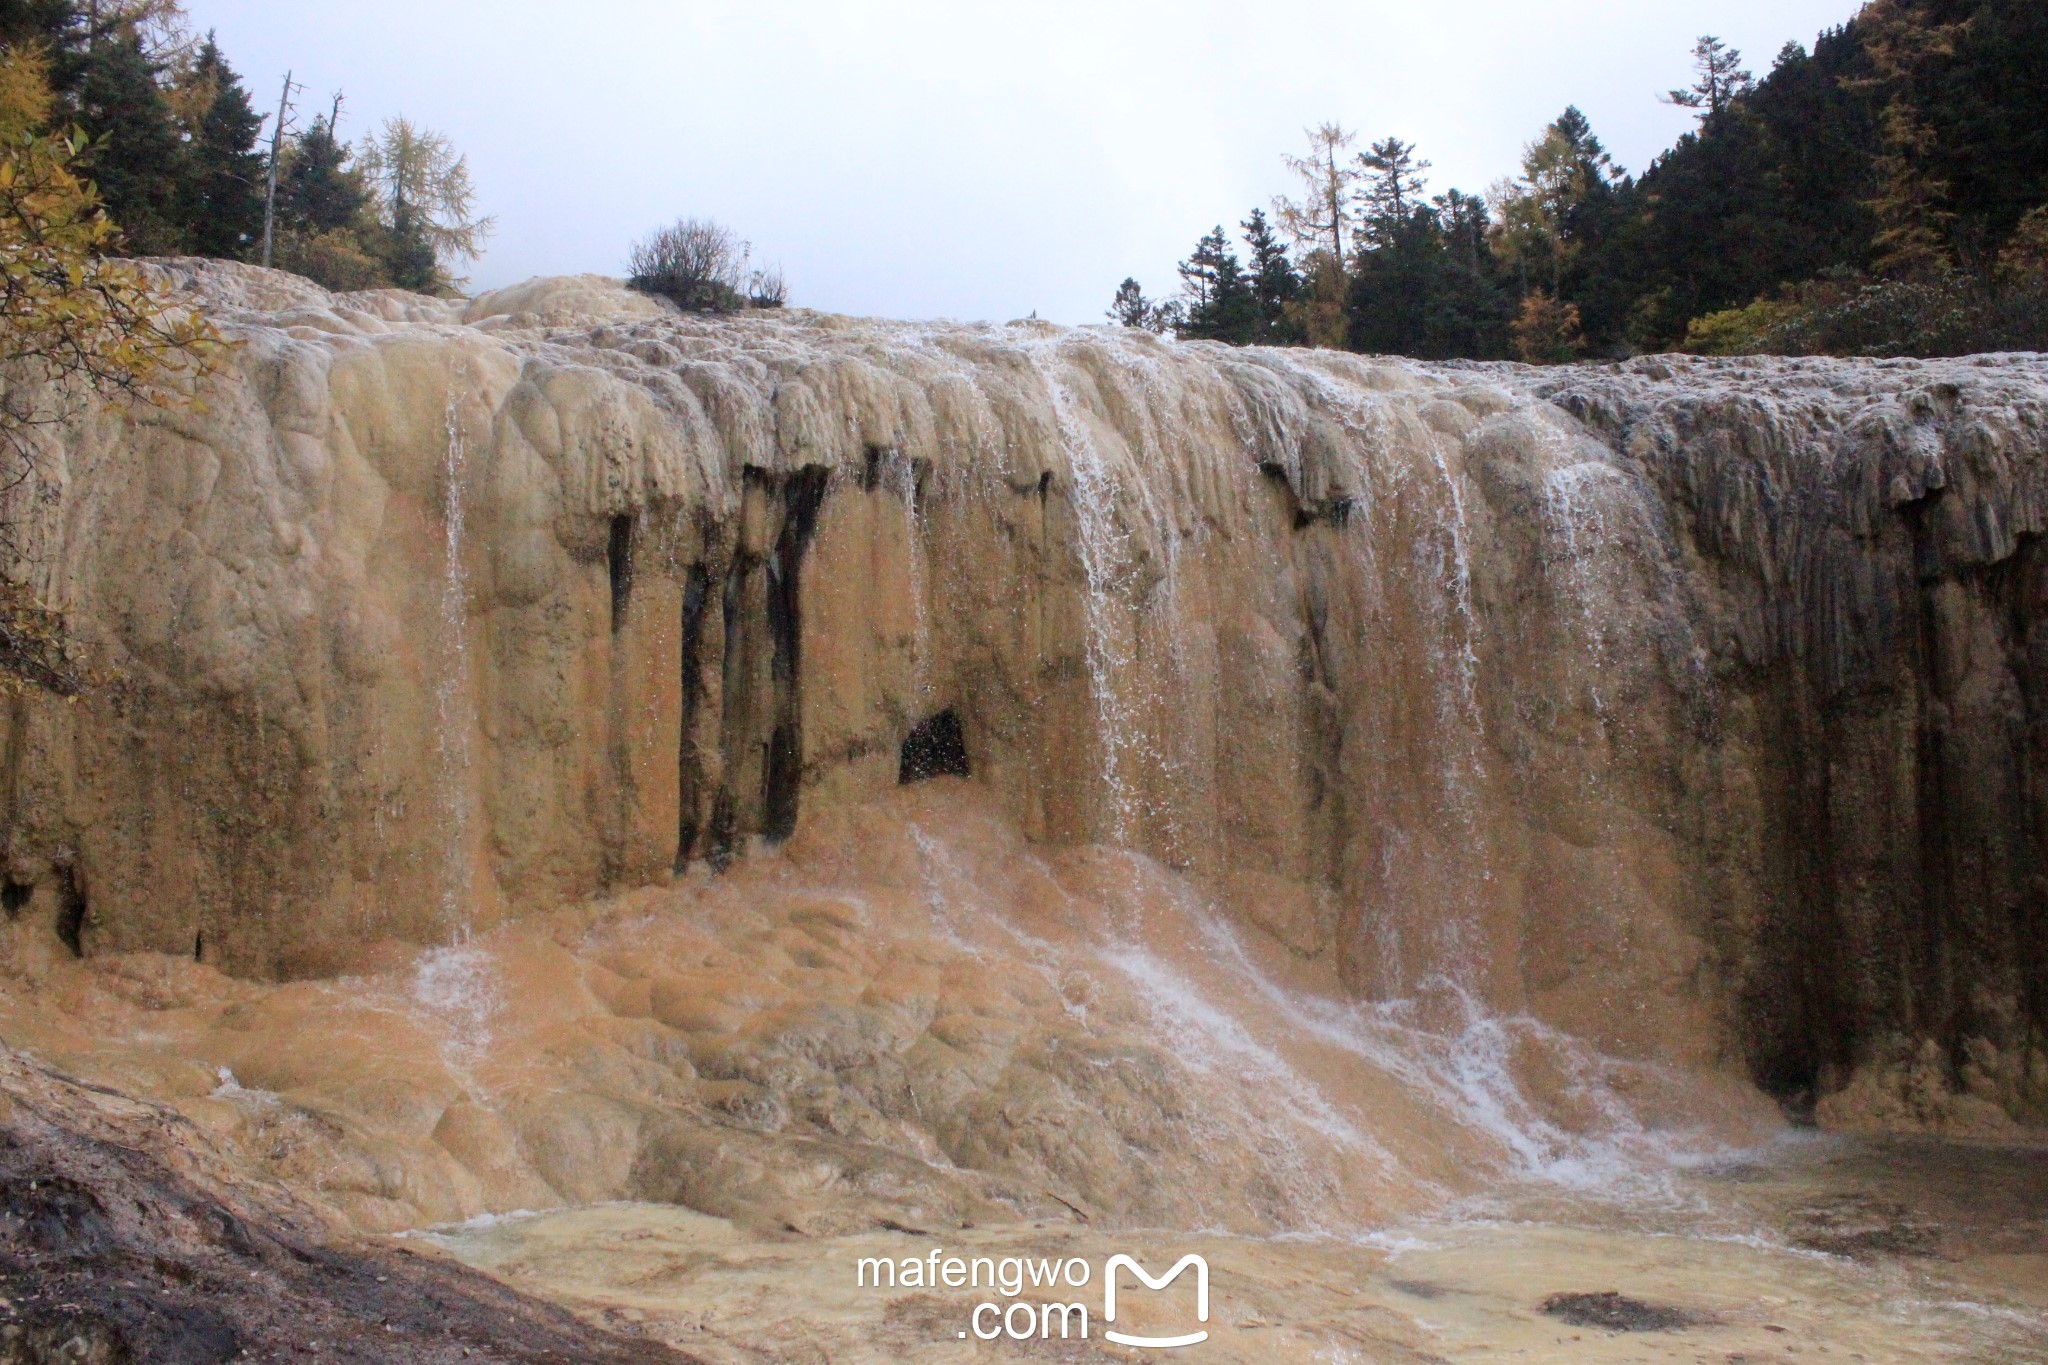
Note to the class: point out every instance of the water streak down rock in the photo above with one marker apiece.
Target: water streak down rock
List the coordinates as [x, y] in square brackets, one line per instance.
[1694, 707]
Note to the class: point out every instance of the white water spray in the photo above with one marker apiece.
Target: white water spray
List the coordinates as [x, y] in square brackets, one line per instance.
[454, 984]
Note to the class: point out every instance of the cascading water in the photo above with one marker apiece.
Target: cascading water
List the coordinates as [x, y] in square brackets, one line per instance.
[1146, 749]
[453, 983]
[1440, 560]
[454, 710]
[899, 478]
[1572, 509]
[1104, 546]
[1459, 710]
[1463, 1057]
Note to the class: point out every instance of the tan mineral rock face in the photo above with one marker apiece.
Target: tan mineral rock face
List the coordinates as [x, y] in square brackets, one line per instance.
[829, 774]
[907, 1015]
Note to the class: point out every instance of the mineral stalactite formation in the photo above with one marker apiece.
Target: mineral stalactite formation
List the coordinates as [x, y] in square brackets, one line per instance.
[1690, 706]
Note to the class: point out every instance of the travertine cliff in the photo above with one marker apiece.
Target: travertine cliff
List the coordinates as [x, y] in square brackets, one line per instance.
[1688, 706]
[1863, 541]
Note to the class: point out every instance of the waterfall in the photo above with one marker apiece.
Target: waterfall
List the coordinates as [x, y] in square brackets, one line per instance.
[1104, 548]
[455, 710]
[899, 477]
[453, 984]
[1571, 509]
[1458, 709]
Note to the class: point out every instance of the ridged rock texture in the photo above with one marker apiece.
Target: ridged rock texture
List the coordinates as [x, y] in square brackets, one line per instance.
[1694, 707]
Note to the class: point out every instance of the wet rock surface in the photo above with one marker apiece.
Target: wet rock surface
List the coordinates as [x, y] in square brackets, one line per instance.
[909, 1014]
[1862, 543]
[1900, 1199]
[851, 782]
[1688, 706]
[125, 1240]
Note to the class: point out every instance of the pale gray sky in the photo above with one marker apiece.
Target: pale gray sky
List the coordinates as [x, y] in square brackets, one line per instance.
[958, 158]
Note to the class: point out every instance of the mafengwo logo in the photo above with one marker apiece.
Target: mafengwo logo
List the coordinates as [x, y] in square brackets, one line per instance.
[1023, 1319]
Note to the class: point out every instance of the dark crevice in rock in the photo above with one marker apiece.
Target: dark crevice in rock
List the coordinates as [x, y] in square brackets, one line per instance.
[803, 496]
[619, 563]
[71, 909]
[736, 696]
[722, 834]
[1298, 516]
[1333, 511]
[14, 897]
[1791, 1011]
[760, 702]
[1926, 993]
[690, 774]
[935, 747]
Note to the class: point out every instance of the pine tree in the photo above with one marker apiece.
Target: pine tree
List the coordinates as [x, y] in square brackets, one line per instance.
[1911, 141]
[44, 24]
[222, 199]
[1428, 290]
[407, 252]
[318, 191]
[1987, 102]
[1392, 187]
[1775, 190]
[1720, 80]
[1130, 308]
[1275, 283]
[1547, 330]
[1465, 222]
[1555, 224]
[1219, 297]
[141, 162]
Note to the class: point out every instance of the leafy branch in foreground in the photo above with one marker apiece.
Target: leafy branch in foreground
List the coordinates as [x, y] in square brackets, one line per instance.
[73, 323]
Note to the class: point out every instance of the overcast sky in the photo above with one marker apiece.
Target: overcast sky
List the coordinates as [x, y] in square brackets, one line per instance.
[964, 158]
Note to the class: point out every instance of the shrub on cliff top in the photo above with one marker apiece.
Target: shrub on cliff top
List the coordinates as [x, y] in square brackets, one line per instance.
[702, 267]
[1940, 312]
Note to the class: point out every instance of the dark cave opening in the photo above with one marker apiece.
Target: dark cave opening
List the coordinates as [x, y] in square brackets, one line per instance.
[935, 747]
[14, 897]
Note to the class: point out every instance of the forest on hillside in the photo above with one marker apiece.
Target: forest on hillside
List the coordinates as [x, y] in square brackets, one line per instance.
[1885, 193]
[180, 157]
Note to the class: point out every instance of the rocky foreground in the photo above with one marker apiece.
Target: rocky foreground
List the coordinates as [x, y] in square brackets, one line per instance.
[126, 1237]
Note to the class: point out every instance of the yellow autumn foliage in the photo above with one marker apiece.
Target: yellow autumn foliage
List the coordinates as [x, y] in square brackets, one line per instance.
[74, 323]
